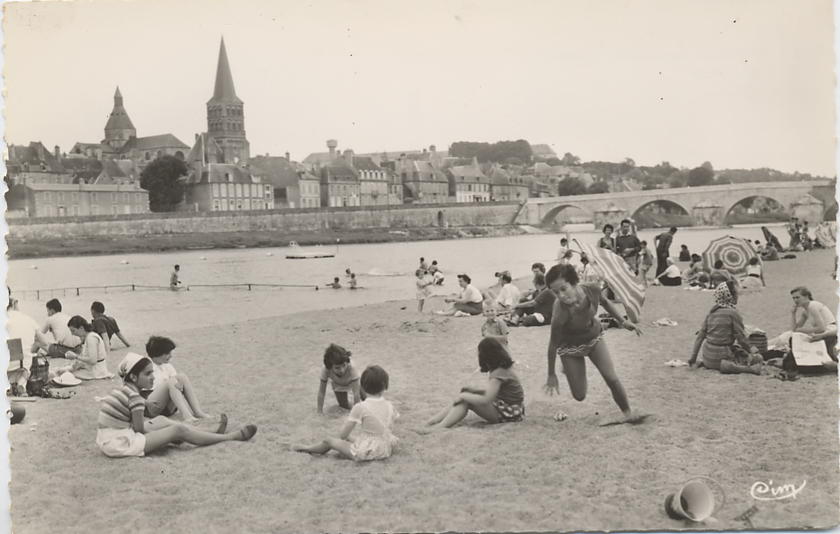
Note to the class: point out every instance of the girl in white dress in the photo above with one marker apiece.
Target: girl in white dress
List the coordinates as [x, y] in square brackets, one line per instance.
[89, 363]
[374, 416]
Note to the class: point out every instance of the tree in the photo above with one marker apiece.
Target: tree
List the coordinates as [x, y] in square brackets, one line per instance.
[598, 187]
[570, 186]
[700, 176]
[570, 159]
[677, 179]
[161, 178]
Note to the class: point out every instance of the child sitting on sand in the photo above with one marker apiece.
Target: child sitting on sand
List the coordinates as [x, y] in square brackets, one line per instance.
[122, 430]
[374, 416]
[494, 326]
[502, 402]
[344, 378]
[173, 394]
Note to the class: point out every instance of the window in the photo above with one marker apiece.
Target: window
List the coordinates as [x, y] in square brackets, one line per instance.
[60, 196]
[147, 156]
[216, 190]
[238, 190]
[267, 188]
[216, 204]
[229, 178]
[232, 204]
[125, 197]
[47, 196]
[113, 209]
[93, 197]
[113, 197]
[223, 187]
[255, 191]
[94, 210]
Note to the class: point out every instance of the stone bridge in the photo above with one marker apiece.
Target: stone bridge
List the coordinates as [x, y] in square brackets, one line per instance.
[707, 205]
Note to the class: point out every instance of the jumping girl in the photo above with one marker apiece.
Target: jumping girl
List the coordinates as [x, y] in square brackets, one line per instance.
[124, 432]
[502, 401]
[576, 333]
[89, 363]
[374, 415]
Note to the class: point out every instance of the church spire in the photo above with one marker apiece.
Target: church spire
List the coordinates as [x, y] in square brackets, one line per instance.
[119, 128]
[224, 91]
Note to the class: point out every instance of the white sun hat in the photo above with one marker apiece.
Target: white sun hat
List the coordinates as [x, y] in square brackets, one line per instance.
[66, 379]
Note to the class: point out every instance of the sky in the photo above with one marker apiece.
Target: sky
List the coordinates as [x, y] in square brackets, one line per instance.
[741, 84]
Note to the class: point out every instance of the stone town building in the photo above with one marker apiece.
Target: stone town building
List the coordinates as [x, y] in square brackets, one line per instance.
[340, 184]
[68, 200]
[422, 181]
[219, 179]
[374, 187]
[468, 184]
[505, 185]
[121, 141]
[293, 185]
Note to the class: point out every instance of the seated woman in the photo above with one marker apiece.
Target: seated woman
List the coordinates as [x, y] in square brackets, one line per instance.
[685, 254]
[770, 253]
[535, 312]
[696, 275]
[89, 363]
[721, 328]
[755, 275]
[817, 320]
[719, 275]
[670, 276]
[469, 302]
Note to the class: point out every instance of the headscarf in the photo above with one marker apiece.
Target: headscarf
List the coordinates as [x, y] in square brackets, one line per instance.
[723, 297]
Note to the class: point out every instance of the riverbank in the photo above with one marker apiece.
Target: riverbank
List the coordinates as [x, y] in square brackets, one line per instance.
[47, 248]
[537, 475]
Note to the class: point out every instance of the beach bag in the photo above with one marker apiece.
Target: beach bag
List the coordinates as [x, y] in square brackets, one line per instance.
[39, 376]
[759, 341]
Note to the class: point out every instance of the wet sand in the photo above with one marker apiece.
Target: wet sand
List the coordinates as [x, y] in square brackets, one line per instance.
[535, 475]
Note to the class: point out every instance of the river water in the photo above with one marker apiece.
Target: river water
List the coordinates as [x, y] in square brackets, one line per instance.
[385, 272]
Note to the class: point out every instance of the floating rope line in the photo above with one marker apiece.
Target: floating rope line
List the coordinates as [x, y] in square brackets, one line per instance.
[77, 291]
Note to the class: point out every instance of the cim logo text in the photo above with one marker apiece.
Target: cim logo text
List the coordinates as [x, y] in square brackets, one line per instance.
[767, 491]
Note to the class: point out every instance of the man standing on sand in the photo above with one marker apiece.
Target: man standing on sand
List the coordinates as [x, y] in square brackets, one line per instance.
[663, 244]
[627, 244]
[174, 282]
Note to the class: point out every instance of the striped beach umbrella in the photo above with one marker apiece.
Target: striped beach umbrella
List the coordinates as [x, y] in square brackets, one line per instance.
[734, 252]
[615, 272]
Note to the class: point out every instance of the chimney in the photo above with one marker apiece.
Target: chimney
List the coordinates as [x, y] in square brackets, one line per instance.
[348, 157]
[332, 144]
[57, 151]
[288, 158]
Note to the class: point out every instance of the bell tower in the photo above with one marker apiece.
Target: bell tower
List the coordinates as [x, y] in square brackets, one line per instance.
[226, 114]
[118, 129]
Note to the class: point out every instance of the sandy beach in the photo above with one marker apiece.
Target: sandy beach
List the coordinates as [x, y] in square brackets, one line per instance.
[536, 475]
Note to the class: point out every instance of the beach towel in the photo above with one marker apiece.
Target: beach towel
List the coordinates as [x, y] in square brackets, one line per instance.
[618, 276]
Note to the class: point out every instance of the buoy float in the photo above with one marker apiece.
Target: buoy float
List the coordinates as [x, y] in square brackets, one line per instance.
[269, 254]
[124, 262]
[33, 267]
[203, 258]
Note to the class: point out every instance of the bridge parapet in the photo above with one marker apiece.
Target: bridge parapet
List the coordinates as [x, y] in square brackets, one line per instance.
[707, 204]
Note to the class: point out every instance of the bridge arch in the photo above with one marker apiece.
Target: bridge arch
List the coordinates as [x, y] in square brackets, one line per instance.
[552, 214]
[751, 198]
[670, 205]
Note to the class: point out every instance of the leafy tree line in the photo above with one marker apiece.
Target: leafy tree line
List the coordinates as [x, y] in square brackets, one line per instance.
[512, 152]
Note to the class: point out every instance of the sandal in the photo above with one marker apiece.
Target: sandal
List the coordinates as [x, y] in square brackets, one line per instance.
[247, 432]
[223, 422]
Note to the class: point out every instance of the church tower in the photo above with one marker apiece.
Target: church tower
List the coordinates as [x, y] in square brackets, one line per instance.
[118, 129]
[226, 116]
